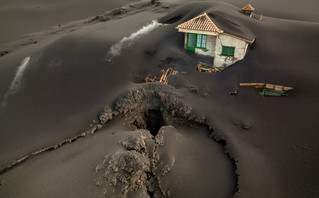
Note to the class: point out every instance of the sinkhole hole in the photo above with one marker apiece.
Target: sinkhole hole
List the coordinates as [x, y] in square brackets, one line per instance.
[154, 120]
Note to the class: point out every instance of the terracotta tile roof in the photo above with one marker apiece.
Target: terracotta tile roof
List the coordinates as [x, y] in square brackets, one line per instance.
[248, 7]
[201, 22]
[204, 23]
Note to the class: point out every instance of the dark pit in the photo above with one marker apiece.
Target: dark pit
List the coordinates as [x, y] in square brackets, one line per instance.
[154, 121]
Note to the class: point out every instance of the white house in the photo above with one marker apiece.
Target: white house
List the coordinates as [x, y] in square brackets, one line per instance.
[202, 36]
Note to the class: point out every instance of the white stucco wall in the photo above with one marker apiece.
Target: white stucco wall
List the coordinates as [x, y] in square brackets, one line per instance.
[210, 47]
[214, 48]
[185, 41]
[225, 40]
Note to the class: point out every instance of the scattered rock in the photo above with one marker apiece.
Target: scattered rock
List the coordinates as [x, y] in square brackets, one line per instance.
[245, 126]
[4, 52]
[136, 168]
[139, 141]
[193, 90]
[106, 115]
[202, 91]
[98, 183]
[135, 103]
[118, 11]
[83, 134]
[127, 170]
[154, 1]
[234, 92]
[102, 18]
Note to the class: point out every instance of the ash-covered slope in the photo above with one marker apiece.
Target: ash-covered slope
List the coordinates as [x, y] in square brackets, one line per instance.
[273, 141]
[226, 17]
[281, 135]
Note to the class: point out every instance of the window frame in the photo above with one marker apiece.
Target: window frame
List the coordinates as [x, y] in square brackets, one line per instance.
[226, 51]
[203, 37]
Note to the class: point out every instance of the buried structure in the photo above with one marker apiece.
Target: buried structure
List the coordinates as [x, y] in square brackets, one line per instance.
[203, 37]
[248, 9]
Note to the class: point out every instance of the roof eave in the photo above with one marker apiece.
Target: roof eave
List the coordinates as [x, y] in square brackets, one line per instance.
[246, 40]
[203, 30]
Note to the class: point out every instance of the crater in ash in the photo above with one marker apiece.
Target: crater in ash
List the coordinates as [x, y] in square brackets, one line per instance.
[157, 155]
[149, 106]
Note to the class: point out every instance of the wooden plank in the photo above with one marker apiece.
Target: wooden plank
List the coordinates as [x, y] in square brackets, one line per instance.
[288, 88]
[279, 87]
[251, 84]
[270, 86]
[255, 85]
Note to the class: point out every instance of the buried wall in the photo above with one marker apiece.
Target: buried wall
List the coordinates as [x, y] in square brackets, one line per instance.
[225, 40]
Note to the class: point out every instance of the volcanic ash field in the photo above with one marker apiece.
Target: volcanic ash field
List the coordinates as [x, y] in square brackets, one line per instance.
[78, 119]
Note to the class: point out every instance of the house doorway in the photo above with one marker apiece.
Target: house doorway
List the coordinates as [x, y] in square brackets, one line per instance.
[191, 38]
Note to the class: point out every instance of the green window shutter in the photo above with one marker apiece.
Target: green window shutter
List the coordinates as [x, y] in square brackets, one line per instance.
[228, 51]
[191, 42]
[224, 52]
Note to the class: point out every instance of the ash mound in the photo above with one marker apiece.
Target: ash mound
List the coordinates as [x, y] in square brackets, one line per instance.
[149, 106]
[137, 168]
[155, 100]
[151, 152]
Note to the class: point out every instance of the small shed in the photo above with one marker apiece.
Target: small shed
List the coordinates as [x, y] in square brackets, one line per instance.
[202, 36]
[248, 9]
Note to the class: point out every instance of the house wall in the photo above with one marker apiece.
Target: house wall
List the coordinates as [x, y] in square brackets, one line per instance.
[185, 41]
[225, 40]
[210, 47]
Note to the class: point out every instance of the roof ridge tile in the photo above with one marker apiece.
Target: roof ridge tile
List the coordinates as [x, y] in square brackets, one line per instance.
[201, 22]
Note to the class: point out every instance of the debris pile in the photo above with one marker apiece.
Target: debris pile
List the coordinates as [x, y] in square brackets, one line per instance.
[139, 167]
[204, 67]
[269, 89]
[164, 77]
